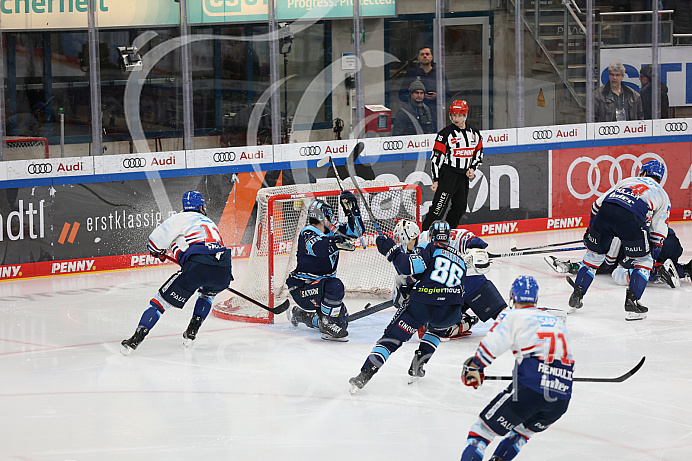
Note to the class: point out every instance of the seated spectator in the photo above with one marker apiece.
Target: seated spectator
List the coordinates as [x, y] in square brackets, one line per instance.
[414, 117]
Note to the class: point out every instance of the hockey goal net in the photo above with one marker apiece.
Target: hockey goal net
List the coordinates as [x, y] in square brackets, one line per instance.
[24, 148]
[282, 214]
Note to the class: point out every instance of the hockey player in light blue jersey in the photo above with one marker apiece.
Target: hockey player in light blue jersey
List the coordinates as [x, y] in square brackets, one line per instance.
[636, 210]
[435, 299]
[205, 266]
[314, 284]
[542, 386]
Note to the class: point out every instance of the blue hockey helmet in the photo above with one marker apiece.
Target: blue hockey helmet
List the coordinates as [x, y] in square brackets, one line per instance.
[653, 168]
[319, 210]
[193, 201]
[524, 289]
[440, 232]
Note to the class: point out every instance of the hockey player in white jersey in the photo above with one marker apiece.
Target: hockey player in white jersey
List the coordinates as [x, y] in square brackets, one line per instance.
[480, 294]
[636, 210]
[542, 386]
[205, 266]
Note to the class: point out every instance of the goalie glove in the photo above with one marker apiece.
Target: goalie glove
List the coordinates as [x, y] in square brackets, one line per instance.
[477, 261]
[472, 375]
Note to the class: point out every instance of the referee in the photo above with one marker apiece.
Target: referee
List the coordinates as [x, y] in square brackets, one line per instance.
[456, 155]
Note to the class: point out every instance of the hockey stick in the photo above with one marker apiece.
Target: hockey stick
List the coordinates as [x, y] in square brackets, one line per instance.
[322, 163]
[280, 309]
[535, 252]
[370, 310]
[618, 379]
[352, 173]
[514, 249]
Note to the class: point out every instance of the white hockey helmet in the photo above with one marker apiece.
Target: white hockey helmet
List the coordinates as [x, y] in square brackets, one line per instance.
[405, 231]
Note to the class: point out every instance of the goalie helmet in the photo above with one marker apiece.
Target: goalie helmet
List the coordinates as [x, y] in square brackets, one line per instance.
[318, 211]
[405, 231]
[524, 289]
[193, 201]
[653, 168]
[440, 232]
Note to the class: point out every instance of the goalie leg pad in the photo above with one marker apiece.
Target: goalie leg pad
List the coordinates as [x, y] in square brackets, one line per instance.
[486, 302]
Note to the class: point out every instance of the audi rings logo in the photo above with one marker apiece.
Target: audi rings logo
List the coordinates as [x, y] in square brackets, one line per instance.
[598, 165]
[310, 150]
[608, 130]
[223, 157]
[39, 168]
[542, 134]
[134, 162]
[675, 126]
[392, 145]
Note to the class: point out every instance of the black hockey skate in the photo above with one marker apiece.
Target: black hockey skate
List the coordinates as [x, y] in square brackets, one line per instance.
[192, 329]
[633, 308]
[416, 371]
[560, 266]
[688, 269]
[297, 315]
[332, 331]
[128, 345]
[669, 274]
[575, 299]
[365, 375]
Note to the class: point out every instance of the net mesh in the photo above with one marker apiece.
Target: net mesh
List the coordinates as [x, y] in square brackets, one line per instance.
[364, 272]
[24, 148]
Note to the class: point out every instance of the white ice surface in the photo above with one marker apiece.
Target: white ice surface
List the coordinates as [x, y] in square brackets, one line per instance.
[272, 392]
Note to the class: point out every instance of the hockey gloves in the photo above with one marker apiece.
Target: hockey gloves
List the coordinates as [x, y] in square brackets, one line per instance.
[156, 254]
[387, 247]
[341, 242]
[349, 203]
[472, 374]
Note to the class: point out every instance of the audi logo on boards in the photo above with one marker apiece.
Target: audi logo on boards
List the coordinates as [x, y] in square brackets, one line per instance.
[598, 166]
[39, 168]
[542, 134]
[676, 126]
[134, 162]
[608, 130]
[310, 150]
[392, 145]
[220, 157]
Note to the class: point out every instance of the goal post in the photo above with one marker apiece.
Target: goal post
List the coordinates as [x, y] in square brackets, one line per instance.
[17, 148]
[282, 214]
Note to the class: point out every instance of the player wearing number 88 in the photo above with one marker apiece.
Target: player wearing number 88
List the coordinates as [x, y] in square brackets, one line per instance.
[437, 273]
[205, 265]
[542, 386]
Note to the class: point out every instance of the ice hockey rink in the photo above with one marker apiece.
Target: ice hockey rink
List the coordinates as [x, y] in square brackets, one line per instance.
[274, 392]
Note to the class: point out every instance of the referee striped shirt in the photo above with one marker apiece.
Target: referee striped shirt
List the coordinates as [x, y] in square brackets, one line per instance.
[457, 148]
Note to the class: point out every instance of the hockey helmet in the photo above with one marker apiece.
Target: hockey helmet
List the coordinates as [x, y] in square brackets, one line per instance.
[405, 231]
[440, 232]
[524, 289]
[319, 210]
[193, 201]
[653, 168]
[459, 106]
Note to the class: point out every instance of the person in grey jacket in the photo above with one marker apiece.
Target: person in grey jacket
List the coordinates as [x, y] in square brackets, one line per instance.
[615, 101]
[414, 117]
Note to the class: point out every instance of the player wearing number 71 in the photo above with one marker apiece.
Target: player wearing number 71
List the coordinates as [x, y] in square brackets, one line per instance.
[542, 385]
[205, 264]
